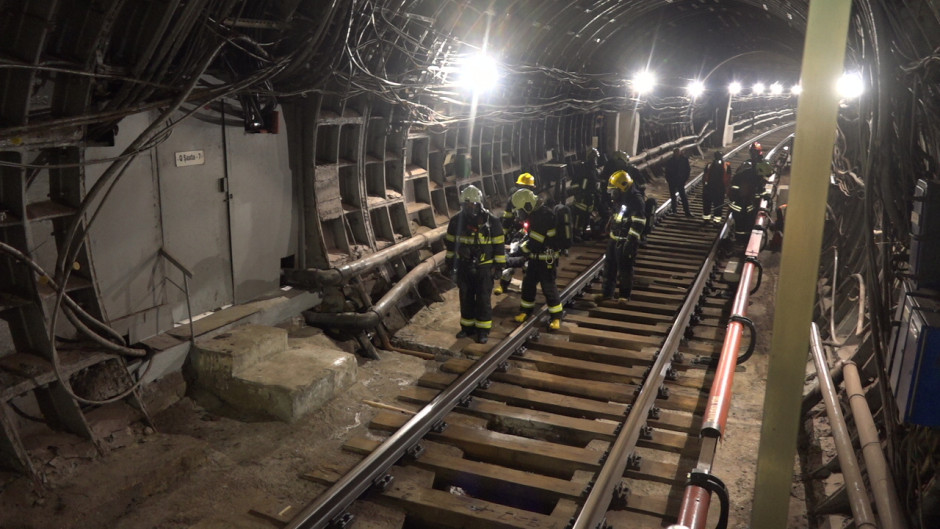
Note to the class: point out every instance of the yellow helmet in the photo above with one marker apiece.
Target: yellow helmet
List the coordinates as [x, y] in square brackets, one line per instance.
[525, 200]
[620, 180]
[525, 179]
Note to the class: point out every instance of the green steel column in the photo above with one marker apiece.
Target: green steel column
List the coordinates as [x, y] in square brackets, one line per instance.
[823, 55]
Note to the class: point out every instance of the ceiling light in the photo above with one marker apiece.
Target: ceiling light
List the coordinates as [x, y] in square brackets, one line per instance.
[644, 82]
[850, 85]
[478, 73]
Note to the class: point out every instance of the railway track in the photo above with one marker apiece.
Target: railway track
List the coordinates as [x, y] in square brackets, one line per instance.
[597, 423]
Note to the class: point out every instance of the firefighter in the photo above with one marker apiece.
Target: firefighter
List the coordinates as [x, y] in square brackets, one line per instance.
[747, 186]
[475, 246]
[677, 171]
[541, 257]
[715, 180]
[513, 229]
[583, 190]
[626, 227]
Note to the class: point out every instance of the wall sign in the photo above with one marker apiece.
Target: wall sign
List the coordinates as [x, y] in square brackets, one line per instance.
[190, 158]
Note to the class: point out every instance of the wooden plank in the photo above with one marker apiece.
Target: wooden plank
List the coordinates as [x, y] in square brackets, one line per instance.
[616, 339]
[570, 386]
[643, 329]
[586, 389]
[588, 369]
[611, 313]
[519, 396]
[575, 407]
[471, 475]
[518, 452]
[595, 353]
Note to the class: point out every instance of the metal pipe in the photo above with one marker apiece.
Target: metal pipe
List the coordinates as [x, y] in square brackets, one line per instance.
[696, 499]
[374, 315]
[858, 497]
[342, 274]
[879, 473]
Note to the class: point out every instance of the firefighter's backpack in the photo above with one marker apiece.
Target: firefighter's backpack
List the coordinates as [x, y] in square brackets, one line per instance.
[564, 234]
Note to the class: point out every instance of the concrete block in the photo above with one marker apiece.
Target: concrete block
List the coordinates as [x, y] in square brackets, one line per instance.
[291, 383]
[232, 352]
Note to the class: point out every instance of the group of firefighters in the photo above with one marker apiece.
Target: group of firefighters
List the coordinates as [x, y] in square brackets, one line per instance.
[476, 240]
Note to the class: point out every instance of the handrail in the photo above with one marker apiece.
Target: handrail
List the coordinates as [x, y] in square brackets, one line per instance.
[186, 277]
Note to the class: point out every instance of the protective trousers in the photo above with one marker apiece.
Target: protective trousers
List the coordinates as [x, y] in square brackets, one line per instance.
[679, 189]
[475, 284]
[543, 273]
[744, 218]
[618, 264]
[713, 201]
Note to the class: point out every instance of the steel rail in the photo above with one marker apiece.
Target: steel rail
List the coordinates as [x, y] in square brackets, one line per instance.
[595, 507]
[334, 502]
[697, 496]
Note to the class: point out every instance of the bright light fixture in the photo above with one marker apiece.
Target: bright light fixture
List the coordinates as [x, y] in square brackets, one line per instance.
[850, 86]
[644, 82]
[734, 88]
[757, 89]
[776, 89]
[796, 89]
[695, 88]
[478, 73]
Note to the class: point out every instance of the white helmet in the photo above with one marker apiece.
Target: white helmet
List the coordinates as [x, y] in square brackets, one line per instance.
[471, 194]
[525, 200]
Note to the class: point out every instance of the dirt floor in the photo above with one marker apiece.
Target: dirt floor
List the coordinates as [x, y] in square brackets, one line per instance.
[204, 467]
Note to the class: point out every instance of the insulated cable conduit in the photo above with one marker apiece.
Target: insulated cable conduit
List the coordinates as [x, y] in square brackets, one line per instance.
[862, 514]
[696, 498]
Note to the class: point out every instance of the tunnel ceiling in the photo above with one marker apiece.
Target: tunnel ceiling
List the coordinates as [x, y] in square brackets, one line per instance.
[70, 63]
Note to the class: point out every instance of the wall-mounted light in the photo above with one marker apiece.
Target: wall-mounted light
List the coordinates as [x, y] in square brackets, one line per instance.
[734, 88]
[478, 73]
[644, 82]
[757, 89]
[776, 89]
[695, 89]
[850, 85]
[796, 89]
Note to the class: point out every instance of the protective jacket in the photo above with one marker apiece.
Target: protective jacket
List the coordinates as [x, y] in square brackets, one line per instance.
[474, 245]
[626, 226]
[629, 220]
[541, 263]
